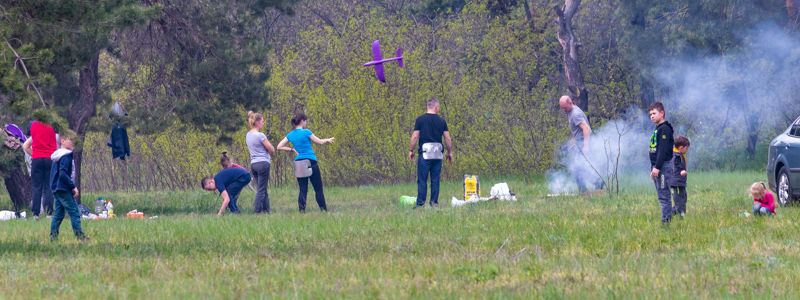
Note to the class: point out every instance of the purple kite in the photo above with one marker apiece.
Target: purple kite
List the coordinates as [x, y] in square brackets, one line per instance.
[378, 60]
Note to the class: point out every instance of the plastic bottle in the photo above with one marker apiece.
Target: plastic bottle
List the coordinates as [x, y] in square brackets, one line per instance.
[110, 208]
[99, 205]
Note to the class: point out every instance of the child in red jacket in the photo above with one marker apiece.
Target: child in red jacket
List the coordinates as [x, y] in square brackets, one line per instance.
[763, 201]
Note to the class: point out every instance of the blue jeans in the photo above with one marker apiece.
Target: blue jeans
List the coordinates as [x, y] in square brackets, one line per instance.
[760, 210]
[234, 189]
[433, 168]
[65, 203]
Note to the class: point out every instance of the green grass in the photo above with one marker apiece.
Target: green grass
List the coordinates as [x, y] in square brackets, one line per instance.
[369, 247]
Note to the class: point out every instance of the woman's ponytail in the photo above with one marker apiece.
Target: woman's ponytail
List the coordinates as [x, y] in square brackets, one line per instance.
[253, 118]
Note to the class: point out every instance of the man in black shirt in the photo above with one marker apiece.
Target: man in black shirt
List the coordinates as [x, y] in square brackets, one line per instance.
[429, 129]
[661, 144]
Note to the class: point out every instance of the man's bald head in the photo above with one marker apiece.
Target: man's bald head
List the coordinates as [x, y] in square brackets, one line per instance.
[565, 103]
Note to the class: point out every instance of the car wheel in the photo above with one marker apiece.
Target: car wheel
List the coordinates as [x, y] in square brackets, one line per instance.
[784, 187]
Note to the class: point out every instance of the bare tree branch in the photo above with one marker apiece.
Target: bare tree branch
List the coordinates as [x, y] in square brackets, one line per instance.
[21, 62]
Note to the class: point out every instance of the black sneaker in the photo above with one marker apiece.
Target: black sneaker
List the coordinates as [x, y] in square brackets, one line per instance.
[54, 238]
[83, 238]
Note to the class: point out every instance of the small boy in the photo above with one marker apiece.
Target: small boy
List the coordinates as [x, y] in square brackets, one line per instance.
[64, 188]
[678, 183]
[229, 182]
[661, 144]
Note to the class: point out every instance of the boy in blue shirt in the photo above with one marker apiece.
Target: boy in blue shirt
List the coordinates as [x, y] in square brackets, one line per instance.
[229, 182]
[64, 188]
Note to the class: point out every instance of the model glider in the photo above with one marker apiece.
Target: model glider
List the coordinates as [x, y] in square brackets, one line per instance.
[15, 131]
[378, 60]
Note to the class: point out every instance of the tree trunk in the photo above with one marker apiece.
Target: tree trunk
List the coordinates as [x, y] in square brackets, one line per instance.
[84, 109]
[570, 45]
[18, 185]
[752, 135]
[529, 15]
[647, 93]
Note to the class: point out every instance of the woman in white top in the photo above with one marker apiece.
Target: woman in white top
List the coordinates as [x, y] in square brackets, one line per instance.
[260, 157]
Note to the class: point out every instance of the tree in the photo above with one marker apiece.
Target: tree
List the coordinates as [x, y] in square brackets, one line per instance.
[570, 46]
[206, 62]
[22, 76]
[76, 32]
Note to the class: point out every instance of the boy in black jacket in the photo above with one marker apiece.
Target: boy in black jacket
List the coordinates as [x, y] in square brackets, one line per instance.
[64, 188]
[678, 183]
[661, 144]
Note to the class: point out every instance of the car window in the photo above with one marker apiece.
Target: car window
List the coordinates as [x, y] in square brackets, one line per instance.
[795, 130]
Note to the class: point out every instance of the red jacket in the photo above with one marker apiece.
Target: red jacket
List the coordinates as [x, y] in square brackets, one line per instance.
[768, 202]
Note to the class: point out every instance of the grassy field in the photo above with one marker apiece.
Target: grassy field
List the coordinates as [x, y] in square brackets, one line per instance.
[370, 247]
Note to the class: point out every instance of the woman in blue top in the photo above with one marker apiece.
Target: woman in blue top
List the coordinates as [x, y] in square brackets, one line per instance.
[301, 138]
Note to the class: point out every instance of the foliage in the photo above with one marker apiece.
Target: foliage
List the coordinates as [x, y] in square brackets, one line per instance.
[497, 97]
[198, 61]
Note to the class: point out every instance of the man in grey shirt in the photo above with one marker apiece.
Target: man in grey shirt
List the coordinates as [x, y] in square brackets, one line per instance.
[578, 124]
[578, 146]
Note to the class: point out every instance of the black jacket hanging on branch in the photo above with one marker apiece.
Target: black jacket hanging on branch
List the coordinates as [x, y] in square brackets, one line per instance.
[119, 142]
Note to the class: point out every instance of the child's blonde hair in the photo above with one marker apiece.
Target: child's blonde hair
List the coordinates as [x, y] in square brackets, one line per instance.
[758, 189]
[68, 134]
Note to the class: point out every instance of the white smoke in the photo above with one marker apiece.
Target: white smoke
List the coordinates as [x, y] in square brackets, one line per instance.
[720, 102]
[617, 148]
[726, 101]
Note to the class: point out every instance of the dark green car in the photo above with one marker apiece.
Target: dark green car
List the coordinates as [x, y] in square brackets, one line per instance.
[783, 165]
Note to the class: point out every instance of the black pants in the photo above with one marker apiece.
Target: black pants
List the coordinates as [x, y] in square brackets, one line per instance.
[40, 182]
[234, 189]
[679, 197]
[261, 177]
[316, 181]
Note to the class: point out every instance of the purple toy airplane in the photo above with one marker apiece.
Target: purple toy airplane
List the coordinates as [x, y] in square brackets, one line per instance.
[378, 60]
[16, 132]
